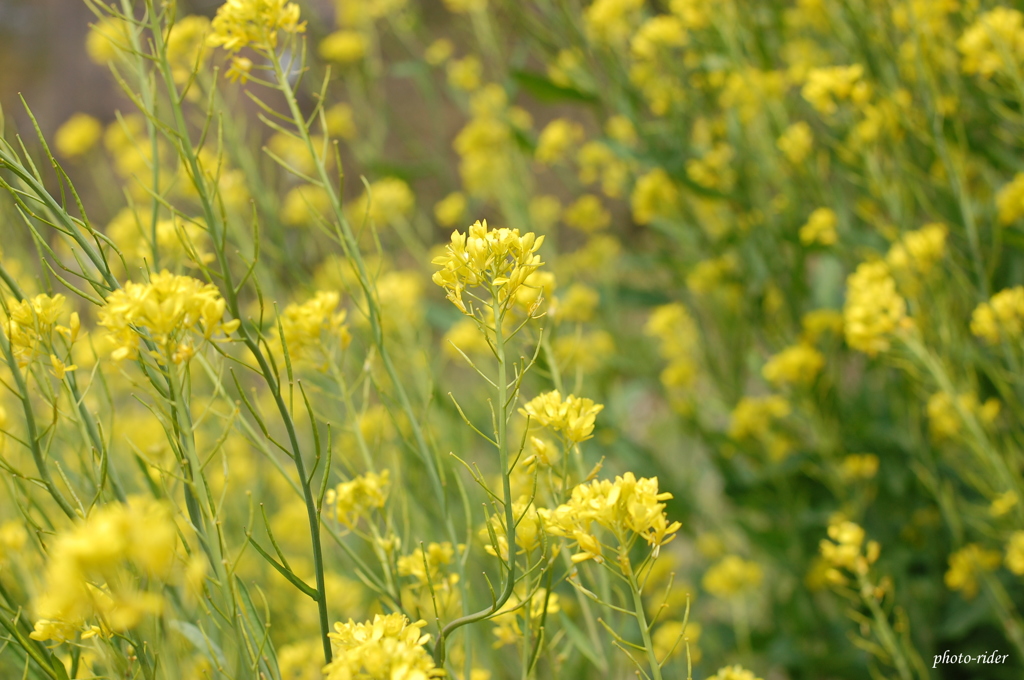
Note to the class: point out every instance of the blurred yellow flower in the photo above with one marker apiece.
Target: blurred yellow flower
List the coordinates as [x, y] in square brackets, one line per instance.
[1001, 318]
[873, 309]
[242, 23]
[966, 564]
[820, 228]
[732, 576]
[78, 135]
[343, 47]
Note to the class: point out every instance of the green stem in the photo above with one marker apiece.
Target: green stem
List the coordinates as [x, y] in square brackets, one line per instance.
[641, 619]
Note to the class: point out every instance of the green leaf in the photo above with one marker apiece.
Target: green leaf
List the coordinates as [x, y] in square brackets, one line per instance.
[543, 89]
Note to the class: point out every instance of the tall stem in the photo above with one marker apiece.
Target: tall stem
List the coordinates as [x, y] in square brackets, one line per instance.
[641, 619]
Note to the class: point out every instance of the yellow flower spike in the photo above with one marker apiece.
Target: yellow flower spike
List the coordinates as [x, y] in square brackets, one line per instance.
[874, 309]
[356, 499]
[167, 308]
[574, 417]
[966, 564]
[495, 259]
[390, 647]
[256, 23]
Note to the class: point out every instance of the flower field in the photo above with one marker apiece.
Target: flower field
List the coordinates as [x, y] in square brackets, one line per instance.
[518, 339]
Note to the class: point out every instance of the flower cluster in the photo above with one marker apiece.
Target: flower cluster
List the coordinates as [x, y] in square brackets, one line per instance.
[873, 309]
[573, 417]
[312, 328]
[31, 324]
[919, 250]
[732, 576]
[820, 228]
[1001, 318]
[1015, 553]
[388, 647]
[847, 549]
[627, 507]
[243, 23]
[496, 259]
[966, 564]
[507, 630]
[796, 365]
[94, 571]
[944, 421]
[826, 86]
[355, 499]
[993, 37]
[755, 418]
[734, 673]
[166, 309]
[529, 528]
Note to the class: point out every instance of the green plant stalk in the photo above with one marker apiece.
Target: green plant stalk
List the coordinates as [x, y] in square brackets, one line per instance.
[641, 617]
[501, 438]
[219, 238]
[885, 631]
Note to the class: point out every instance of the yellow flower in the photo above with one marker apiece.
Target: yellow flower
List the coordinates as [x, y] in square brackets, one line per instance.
[918, 251]
[755, 417]
[820, 322]
[241, 23]
[304, 205]
[796, 142]
[820, 228]
[529, 528]
[826, 86]
[166, 309]
[796, 365]
[107, 38]
[611, 21]
[621, 129]
[965, 565]
[187, 47]
[465, 6]
[388, 201]
[1003, 503]
[654, 196]
[390, 647]
[657, 35]
[1001, 318]
[427, 566]
[341, 121]
[465, 74]
[356, 499]
[498, 259]
[586, 352]
[671, 639]
[944, 421]
[598, 163]
[734, 673]
[848, 551]
[78, 135]
[574, 417]
[107, 546]
[873, 309]
[627, 507]
[587, 214]
[343, 47]
[312, 328]
[712, 170]
[1015, 553]
[13, 536]
[578, 304]
[732, 576]
[438, 51]
[859, 466]
[450, 210]
[31, 324]
[506, 622]
[993, 37]
[1010, 200]
[556, 139]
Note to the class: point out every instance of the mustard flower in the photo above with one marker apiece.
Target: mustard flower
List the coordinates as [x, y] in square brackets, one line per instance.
[343, 47]
[755, 417]
[529, 527]
[598, 163]
[1010, 200]
[820, 228]
[110, 543]
[944, 421]
[586, 352]
[341, 121]
[578, 304]
[187, 46]
[654, 196]
[732, 576]
[1001, 318]
[734, 673]
[556, 139]
[656, 35]
[465, 6]
[167, 308]
[427, 565]
[712, 170]
[573, 418]
[545, 211]
[694, 14]
[1003, 504]
[672, 638]
[796, 365]
[873, 309]
[826, 86]
[466, 74]
[621, 129]
[107, 38]
[506, 622]
[1015, 553]
[987, 42]
[611, 21]
[627, 507]
[242, 23]
[796, 142]
[388, 201]
[78, 135]
[820, 322]
[859, 466]
[847, 549]
[451, 209]
[438, 51]
[918, 251]
[966, 564]
[388, 648]
[32, 322]
[311, 328]
[587, 214]
[356, 499]
[495, 259]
